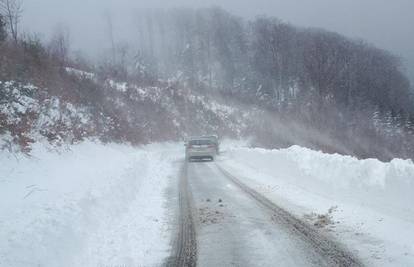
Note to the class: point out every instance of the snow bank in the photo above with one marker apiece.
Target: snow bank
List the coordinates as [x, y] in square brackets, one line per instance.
[371, 181]
[93, 205]
[371, 202]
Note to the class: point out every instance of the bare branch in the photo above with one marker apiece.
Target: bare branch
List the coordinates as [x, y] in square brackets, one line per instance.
[12, 10]
[60, 44]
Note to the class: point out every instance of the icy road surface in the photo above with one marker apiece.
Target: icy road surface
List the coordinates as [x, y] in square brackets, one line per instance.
[235, 227]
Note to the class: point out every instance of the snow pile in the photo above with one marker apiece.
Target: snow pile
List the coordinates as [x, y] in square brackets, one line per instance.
[93, 205]
[366, 203]
[385, 183]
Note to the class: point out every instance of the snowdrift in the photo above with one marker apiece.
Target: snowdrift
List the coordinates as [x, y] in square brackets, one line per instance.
[387, 187]
[92, 205]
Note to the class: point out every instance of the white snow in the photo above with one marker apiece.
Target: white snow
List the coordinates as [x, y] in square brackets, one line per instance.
[92, 205]
[39, 114]
[80, 73]
[16, 103]
[371, 201]
[106, 205]
[119, 86]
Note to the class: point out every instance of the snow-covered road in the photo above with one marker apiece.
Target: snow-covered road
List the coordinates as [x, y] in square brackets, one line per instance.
[235, 229]
[114, 205]
[365, 204]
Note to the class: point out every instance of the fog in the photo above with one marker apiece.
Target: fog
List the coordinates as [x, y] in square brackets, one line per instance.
[387, 24]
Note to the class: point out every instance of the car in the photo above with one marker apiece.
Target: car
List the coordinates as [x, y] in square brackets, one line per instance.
[215, 140]
[200, 148]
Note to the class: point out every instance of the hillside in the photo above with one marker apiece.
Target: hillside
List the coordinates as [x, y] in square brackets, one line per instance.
[207, 71]
[125, 113]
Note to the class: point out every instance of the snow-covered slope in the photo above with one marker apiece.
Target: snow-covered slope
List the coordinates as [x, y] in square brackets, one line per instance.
[111, 111]
[183, 112]
[92, 205]
[367, 204]
[28, 114]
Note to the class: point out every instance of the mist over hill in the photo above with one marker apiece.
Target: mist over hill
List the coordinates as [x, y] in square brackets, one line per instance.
[196, 71]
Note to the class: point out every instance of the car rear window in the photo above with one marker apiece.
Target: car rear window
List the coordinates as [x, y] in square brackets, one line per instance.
[200, 142]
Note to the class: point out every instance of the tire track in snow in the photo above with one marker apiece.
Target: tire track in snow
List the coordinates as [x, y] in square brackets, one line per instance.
[329, 249]
[185, 250]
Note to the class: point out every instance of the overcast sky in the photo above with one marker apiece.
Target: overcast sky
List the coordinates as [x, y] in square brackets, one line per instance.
[388, 24]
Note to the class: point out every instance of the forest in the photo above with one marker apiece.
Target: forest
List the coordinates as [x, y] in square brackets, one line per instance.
[284, 85]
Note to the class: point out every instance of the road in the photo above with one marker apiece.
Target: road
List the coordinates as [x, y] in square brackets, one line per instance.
[225, 223]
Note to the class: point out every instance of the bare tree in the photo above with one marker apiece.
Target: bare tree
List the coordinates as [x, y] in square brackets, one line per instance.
[60, 44]
[109, 24]
[3, 31]
[12, 10]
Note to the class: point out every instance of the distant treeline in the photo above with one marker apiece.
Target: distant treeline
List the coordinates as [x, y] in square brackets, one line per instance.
[305, 86]
[269, 58]
[347, 90]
